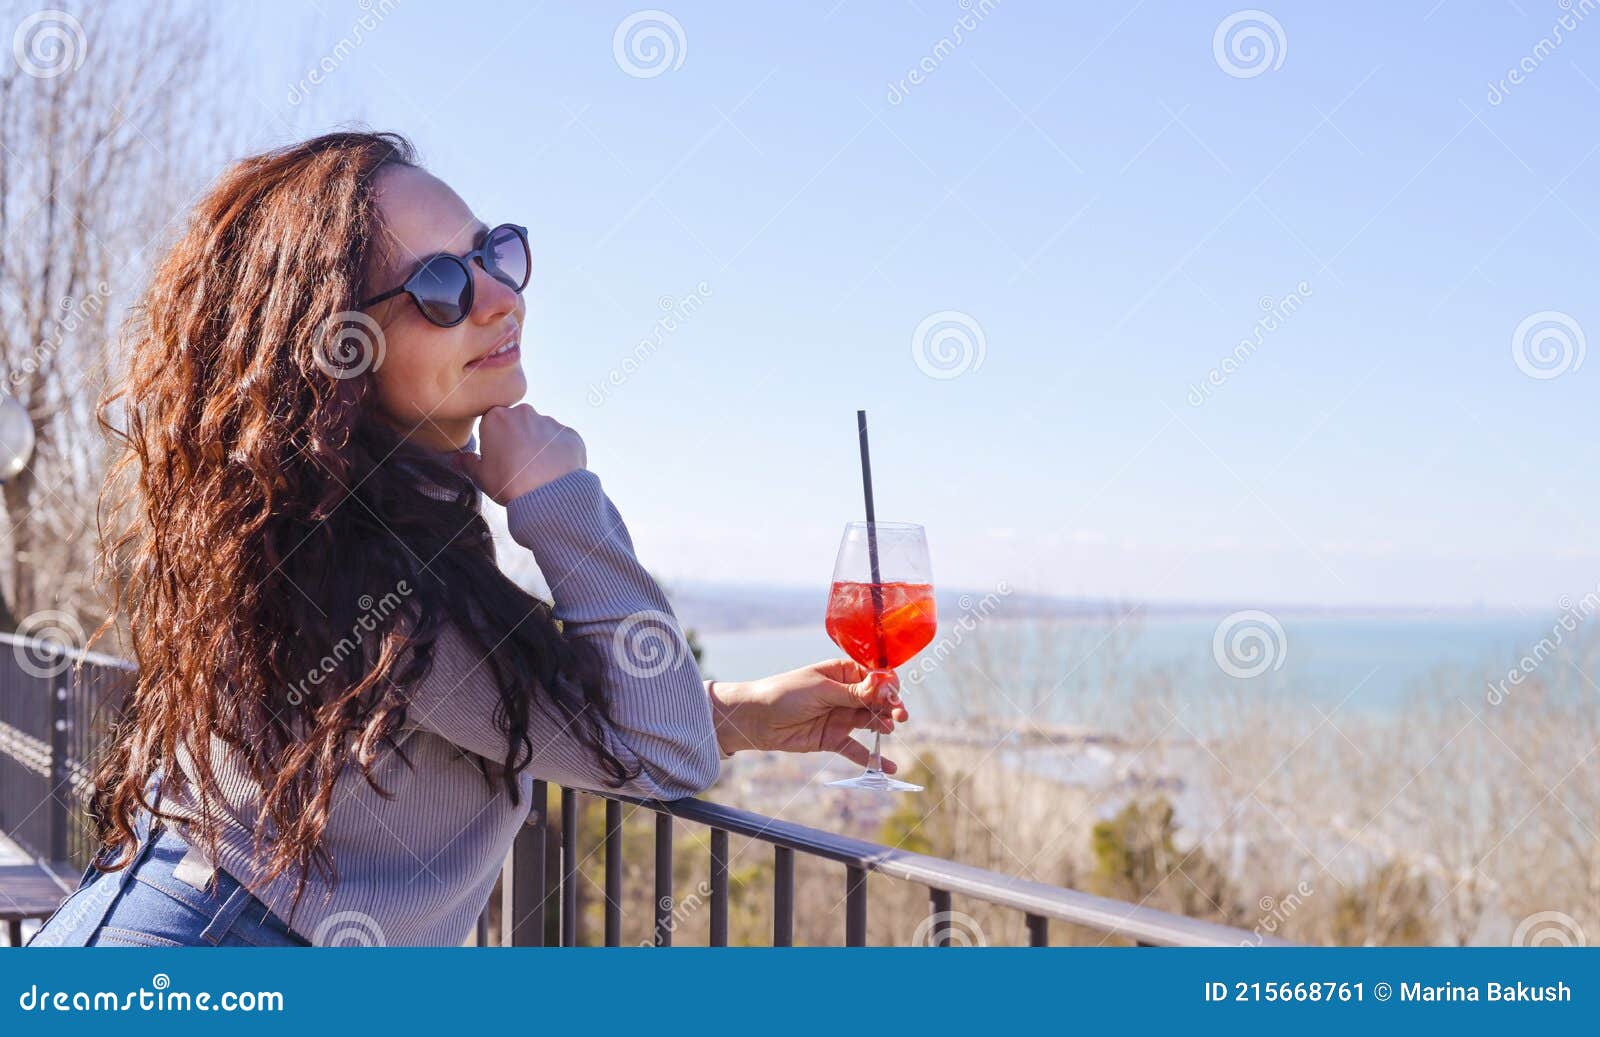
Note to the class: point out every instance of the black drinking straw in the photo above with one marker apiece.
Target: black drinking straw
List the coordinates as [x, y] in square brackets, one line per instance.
[872, 540]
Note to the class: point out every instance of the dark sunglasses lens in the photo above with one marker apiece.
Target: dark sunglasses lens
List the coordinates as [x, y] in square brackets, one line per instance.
[442, 289]
[507, 254]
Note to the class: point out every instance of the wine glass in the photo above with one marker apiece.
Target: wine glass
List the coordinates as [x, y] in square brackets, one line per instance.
[880, 611]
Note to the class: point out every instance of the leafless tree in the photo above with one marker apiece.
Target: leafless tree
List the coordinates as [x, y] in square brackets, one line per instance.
[106, 126]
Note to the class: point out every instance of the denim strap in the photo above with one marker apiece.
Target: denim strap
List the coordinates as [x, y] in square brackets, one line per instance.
[219, 925]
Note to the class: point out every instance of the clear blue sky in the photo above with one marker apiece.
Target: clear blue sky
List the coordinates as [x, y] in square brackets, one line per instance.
[1109, 205]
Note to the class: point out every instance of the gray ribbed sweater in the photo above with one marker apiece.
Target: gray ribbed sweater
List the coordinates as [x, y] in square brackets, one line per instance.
[419, 868]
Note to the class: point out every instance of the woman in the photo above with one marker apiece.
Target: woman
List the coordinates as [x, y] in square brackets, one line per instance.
[342, 703]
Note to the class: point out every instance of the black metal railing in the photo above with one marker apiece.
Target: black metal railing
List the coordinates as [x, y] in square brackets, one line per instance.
[55, 707]
[527, 891]
[56, 703]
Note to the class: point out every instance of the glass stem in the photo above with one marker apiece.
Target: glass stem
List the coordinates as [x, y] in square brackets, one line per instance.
[879, 678]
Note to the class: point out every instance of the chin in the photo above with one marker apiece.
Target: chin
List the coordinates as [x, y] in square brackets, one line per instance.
[516, 387]
[506, 390]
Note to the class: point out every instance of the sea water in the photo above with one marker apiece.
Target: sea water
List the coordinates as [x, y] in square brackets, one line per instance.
[1365, 663]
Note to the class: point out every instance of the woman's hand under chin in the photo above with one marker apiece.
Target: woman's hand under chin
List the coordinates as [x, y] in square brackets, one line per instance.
[519, 450]
[808, 710]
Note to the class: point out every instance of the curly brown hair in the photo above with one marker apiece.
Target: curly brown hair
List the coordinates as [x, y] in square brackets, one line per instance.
[256, 503]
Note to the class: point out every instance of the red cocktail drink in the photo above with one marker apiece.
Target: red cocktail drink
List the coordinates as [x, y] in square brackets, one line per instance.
[907, 624]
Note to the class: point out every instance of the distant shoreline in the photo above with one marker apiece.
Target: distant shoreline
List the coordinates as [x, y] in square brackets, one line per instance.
[712, 618]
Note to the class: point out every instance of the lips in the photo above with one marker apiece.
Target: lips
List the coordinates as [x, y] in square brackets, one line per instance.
[506, 348]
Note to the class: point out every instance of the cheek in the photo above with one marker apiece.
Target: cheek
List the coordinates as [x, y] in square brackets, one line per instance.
[417, 377]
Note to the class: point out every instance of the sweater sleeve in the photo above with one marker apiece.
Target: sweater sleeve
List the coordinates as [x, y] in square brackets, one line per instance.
[602, 594]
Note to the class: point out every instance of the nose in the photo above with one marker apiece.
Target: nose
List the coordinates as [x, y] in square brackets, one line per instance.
[492, 298]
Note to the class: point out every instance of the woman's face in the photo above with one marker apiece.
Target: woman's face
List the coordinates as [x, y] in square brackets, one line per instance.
[432, 383]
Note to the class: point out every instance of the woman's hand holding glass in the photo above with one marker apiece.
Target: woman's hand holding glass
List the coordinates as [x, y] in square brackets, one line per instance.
[811, 709]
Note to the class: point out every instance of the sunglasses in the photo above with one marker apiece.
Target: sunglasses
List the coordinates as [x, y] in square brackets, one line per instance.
[442, 284]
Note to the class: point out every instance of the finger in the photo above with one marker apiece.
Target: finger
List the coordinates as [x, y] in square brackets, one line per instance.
[877, 691]
[845, 671]
[877, 707]
[882, 693]
[870, 720]
[879, 701]
[838, 692]
[848, 671]
[857, 753]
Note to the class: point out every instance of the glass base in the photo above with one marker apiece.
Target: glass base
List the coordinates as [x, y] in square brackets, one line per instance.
[876, 781]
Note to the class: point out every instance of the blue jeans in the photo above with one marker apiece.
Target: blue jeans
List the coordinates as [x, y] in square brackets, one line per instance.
[147, 905]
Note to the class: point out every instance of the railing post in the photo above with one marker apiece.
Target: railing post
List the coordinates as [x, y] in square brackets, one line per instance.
[61, 791]
[663, 879]
[613, 873]
[939, 905]
[855, 908]
[522, 890]
[1038, 931]
[782, 896]
[719, 887]
[569, 867]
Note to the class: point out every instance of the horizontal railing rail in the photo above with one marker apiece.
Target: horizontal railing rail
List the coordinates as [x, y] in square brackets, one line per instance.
[55, 703]
[73, 655]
